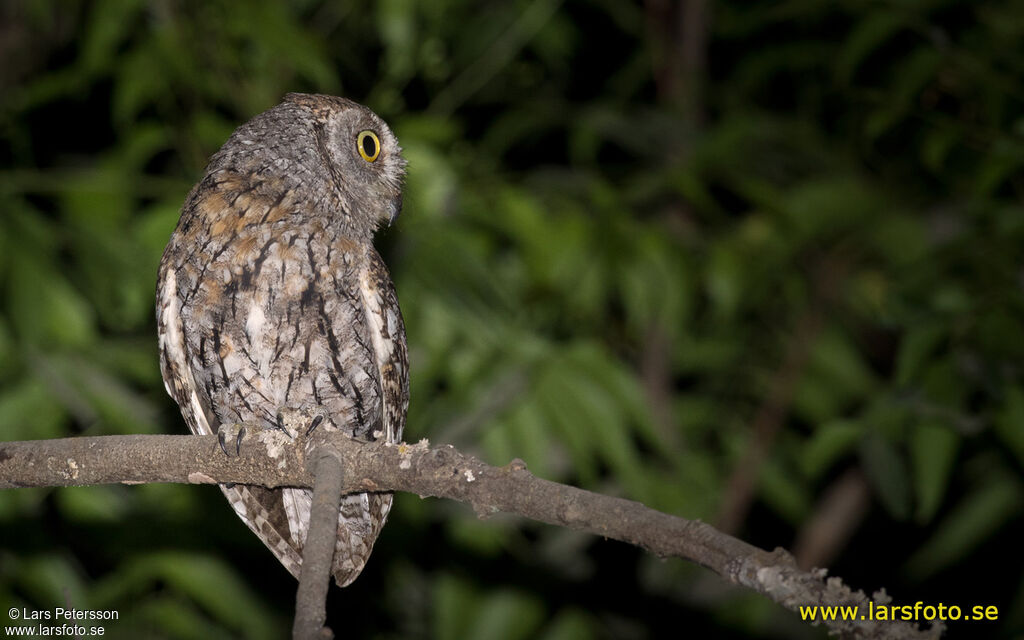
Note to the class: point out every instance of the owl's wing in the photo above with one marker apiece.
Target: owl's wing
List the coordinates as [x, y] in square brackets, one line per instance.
[380, 303]
[262, 510]
[363, 515]
[177, 375]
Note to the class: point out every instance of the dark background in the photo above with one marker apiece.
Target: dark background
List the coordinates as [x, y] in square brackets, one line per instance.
[757, 263]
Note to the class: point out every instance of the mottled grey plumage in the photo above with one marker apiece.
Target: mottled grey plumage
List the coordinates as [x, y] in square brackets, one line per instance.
[272, 300]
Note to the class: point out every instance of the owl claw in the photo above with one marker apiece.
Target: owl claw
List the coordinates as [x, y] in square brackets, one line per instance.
[223, 432]
[314, 424]
[284, 425]
[296, 423]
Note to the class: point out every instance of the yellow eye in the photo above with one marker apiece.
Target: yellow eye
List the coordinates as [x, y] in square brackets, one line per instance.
[369, 145]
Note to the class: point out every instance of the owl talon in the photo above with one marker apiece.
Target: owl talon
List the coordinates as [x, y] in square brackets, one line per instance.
[234, 430]
[297, 422]
[314, 424]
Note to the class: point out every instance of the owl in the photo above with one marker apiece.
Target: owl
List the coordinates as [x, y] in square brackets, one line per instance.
[275, 311]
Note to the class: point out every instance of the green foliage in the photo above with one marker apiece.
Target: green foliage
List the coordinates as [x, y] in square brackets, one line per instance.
[813, 251]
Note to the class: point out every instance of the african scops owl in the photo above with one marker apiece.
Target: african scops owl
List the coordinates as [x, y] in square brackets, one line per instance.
[272, 303]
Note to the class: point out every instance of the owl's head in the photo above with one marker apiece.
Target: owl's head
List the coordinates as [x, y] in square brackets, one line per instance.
[334, 155]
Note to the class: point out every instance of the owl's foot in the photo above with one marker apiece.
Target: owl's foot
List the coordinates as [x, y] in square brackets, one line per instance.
[229, 436]
[297, 423]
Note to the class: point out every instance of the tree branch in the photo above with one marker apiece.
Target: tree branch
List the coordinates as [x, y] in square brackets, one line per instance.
[318, 550]
[446, 473]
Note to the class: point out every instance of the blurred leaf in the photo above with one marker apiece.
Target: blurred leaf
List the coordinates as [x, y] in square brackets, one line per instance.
[1009, 424]
[52, 579]
[506, 615]
[396, 21]
[24, 503]
[28, 412]
[168, 616]
[454, 604]
[828, 443]
[835, 376]
[784, 492]
[209, 583]
[45, 308]
[599, 419]
[484, 538]
[656, 288]
[975, 517]
[725, 282]
[938, 147]
[915, 348]
[531, 440]
[93, 504]
[933, 449]
[109, 23]
[569, 625]
[865, 38]
[829, 205]
[562, 408]
[888, 474]
[908, 78]
[694, 489]
[130, 360]
[93, 393]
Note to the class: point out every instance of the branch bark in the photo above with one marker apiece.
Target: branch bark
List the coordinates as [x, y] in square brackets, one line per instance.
[440, 472]
[318, 550]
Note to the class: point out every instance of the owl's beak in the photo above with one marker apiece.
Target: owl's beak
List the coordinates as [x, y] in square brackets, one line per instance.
[396, 208]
